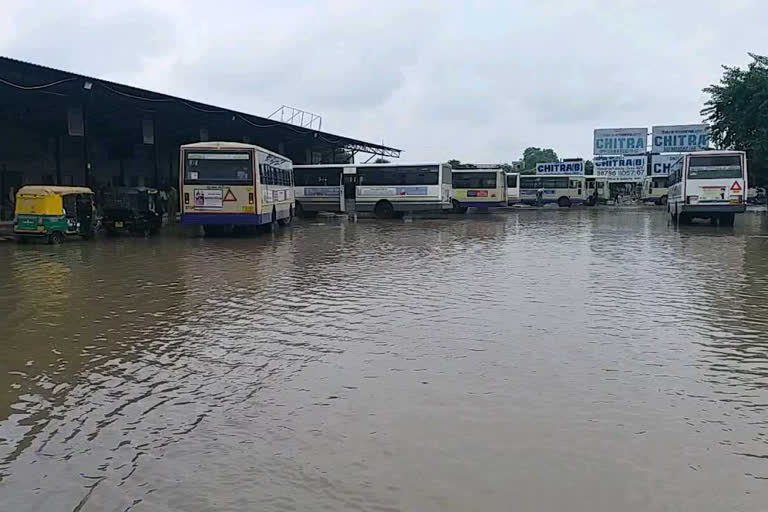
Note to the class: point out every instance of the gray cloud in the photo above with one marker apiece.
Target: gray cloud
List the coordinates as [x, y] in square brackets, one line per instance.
[476, 81]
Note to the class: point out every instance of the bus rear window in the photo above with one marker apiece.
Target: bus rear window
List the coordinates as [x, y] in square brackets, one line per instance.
[715, 167]
[218, 168]
[474, 179]
[511, 181]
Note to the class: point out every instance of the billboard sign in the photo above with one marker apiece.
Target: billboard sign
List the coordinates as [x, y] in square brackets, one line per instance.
[680, 138]
[620, 141]
[664, 165]
[621, 168]
[573, 168]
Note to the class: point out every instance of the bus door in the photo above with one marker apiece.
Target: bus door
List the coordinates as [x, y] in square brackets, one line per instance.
[349, 190]
[578, 184]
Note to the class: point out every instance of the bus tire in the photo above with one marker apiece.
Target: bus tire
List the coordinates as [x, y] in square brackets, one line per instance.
[273, 223]
[662, 200]
[55, 238]
[683, 218]
[457, 208]
[287, 220]
[384, 210]
[564, 202]
[729, 219]
[299, 209]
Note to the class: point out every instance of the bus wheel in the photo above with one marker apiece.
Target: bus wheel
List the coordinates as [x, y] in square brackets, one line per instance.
[683, 218]
[663, 200]
[273, 223]
[564, 202]
[287, 220]
[729, 219]
[457, 208]
[55, 238]
[299, 209]
[384, 210]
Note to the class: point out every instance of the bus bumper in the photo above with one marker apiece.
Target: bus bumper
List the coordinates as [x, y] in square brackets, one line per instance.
[482, 204]
[705, 209]
[226, 219]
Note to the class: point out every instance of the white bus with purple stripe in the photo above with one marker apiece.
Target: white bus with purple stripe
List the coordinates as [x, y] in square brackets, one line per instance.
[226, 185]
[563, 190]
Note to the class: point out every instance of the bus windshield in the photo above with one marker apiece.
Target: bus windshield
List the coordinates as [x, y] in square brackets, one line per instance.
[218, 168]
[715, 167]
[511, 180]
[474, 179]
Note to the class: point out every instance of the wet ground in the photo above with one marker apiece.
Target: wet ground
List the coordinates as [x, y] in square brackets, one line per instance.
[535, 360]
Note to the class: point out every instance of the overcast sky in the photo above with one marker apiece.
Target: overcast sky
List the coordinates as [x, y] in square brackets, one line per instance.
[477, 81]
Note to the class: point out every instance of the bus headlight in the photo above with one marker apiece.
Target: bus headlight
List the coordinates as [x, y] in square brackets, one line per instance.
[186, 197]
[250, 198]
[692, 199]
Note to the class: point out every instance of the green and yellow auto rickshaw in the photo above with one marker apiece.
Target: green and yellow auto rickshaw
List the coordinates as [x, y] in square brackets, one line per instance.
[54, 213]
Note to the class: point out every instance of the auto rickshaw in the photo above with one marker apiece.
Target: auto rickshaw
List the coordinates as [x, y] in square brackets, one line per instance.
[54, 213]
[132, 210]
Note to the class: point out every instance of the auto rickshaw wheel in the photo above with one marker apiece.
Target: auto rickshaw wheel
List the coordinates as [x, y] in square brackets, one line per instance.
[55, 238]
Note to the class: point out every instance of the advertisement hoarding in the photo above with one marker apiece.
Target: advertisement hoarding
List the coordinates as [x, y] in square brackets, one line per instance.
[620, 141]
[573, 168]
[664, 165]
[621, 168]
[680, 138]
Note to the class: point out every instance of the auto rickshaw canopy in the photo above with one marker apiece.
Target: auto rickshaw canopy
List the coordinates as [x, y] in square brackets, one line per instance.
[45, 199]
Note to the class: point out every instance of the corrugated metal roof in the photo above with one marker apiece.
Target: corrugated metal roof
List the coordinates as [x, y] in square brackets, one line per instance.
[146, 95]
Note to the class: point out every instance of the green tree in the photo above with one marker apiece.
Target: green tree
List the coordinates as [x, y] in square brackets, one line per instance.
[589, 167]
[453, 162]
[534, 156]
[737, 111]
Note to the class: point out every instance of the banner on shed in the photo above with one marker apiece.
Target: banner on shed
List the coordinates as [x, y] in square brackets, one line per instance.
[620, 141]
[573, 168]
[680, 138]
[621, 168]
[664, 165]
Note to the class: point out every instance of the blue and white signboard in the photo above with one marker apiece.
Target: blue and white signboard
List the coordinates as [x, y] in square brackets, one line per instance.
[664, 165]
[620, 141]
[621, 168]
[574, 168]
[680, 138]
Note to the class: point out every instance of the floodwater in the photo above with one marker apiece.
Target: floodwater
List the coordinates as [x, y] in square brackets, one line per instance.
[536, 360]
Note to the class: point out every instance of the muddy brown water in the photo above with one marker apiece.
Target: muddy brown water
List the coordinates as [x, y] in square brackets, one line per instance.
[536, 360]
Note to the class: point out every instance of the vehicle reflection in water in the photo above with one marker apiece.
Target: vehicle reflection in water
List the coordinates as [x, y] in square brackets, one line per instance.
[544, 358]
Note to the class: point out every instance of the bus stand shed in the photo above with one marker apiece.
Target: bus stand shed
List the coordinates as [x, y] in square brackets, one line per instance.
[62, 128]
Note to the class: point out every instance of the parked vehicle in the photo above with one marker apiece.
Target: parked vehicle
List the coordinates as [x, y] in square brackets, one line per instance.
[710, 185]
[478, 186]
[132, 210]
[228, 186]
[54, 213]
[654, 190]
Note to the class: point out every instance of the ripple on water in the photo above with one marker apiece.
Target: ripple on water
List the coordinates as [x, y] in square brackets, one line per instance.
[338, 366]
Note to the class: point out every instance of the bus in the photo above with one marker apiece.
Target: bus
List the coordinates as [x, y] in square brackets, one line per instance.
[563, 190]
[383, 189]
[598, 190]
[317, 188]
[513, 187]
[710, 185]
[654, 190]
[478, 187]
[228, 186]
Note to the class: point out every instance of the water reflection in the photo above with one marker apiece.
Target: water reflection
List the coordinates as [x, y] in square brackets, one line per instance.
[439, 364]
